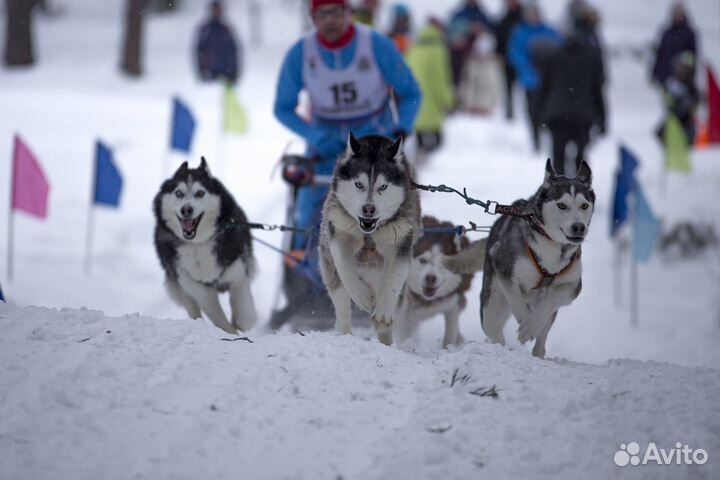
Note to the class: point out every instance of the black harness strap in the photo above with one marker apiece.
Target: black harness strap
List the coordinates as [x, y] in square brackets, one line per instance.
[491, 207]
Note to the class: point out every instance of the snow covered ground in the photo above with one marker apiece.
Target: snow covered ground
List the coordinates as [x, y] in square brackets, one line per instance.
[139, 391]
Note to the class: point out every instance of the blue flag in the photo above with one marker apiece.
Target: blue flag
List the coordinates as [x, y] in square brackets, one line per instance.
[2, 299]
[183, 126]
[624, 181]
[646, 227]
[108, 181]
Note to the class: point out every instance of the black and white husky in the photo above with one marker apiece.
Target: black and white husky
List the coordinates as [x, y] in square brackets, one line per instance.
[433, 289]
[533, 269]
[204, 247]
[370, 221]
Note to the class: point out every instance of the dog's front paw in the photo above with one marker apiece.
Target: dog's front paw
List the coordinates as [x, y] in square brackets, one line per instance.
[363, 296]
[381, 322]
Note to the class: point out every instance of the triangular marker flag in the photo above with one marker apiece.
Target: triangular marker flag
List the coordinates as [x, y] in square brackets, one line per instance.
[30, 189]
[182, 128]
[235, 117]
[646, 227]
[108, 181]
[677, 148]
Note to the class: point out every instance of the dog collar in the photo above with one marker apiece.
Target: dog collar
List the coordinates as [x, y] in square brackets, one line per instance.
[546, 278]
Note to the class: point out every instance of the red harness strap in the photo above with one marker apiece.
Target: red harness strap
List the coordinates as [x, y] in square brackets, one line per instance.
[546, 278]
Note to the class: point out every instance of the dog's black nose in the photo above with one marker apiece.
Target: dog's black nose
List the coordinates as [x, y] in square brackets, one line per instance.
[578, 228]
[430, 279]
[186, 211]
[368, 210]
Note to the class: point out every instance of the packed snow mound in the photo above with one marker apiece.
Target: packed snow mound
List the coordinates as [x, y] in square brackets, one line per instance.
[85, 396]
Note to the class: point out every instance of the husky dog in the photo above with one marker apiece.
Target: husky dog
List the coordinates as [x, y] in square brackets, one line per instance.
[204, 248]
[534, 268]
[370, 220]
[432, 288]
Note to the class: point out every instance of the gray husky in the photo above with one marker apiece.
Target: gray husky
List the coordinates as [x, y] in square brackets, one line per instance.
[432, 289]
[370, 221]
[204, 247]
[534, 268]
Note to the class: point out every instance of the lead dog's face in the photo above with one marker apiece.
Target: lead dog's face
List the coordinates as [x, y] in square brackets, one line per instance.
[370, 181]
[188, 207]
[567, 205]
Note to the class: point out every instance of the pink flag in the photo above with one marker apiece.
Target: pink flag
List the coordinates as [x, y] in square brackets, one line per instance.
[30, 188]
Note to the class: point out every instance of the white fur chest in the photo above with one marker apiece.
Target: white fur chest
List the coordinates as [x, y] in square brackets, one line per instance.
[199, 262]
[419, 311]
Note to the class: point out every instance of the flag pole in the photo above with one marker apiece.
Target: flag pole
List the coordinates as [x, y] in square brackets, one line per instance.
[89, 238]
[11, 215]
[618, 274]
[634, 282]
[90, 224]
[11, 222]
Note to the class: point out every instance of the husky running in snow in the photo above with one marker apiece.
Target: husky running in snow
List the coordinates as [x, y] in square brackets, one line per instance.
[432, 289]
[533, 269]
[370, 221]
[204, 248]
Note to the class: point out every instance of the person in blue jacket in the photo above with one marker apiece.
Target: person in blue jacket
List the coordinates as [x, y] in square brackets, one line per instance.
[217, 51]
[532, 43]
[352, 75]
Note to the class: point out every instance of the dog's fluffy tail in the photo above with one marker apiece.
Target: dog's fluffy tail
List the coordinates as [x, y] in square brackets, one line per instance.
[469, 260]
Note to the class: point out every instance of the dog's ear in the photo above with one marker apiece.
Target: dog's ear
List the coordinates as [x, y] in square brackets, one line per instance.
[204, 166]
[395, 151]
[549, 172]
[353, 146]
[182, 169]
[584, 173]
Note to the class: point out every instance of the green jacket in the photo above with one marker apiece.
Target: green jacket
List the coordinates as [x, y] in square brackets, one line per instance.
[429, 61]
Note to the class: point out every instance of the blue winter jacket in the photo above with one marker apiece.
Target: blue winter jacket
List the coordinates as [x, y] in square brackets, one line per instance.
[217, 52]
[394, 71]
[527, 43]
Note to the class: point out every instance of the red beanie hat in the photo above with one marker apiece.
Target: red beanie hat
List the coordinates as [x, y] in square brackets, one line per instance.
[315, 4]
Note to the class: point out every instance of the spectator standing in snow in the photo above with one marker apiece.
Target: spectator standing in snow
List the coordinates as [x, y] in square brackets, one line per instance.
[681, 94]
[218, 55]
[400, 27]
[571, 96]
[532, 43]
[464, 26]
[429, 61]
[678, 37]
[512, 16]
[349, 72]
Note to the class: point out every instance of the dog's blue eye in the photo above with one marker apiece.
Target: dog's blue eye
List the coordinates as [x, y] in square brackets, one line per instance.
[382, 188]
[585, 206]
[359, 185]
[199, 194]
[562, 206]
[179, 194]
[422, 261]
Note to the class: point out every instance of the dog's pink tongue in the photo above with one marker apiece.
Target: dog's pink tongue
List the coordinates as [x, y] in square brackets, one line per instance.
[187, 224]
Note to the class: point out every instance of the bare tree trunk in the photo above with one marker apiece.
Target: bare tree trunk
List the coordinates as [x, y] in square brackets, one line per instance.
[132, 46]
[18, 41]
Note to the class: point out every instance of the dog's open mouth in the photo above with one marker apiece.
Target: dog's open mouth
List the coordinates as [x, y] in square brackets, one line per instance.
[429, 292]
[189, 226]
[367, 225]
[577, 239]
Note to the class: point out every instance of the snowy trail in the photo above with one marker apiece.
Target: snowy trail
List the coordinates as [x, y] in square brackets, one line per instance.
[169, 399]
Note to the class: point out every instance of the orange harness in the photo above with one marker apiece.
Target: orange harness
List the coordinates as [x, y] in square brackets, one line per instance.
[546, 278]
